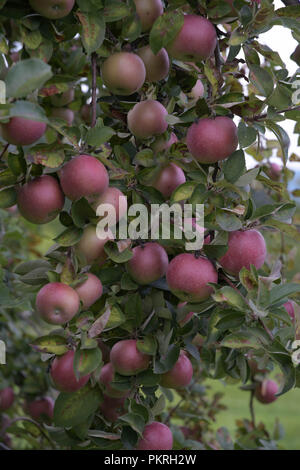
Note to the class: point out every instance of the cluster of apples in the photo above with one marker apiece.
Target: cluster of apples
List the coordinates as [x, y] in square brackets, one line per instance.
[40, 200]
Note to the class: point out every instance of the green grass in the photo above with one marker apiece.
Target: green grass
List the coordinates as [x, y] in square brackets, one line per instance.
[285, 408]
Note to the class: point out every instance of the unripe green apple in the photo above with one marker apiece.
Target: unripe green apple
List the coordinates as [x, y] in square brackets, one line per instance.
[22, 131]
[63, 375]
[244, 248]
[83, 176]
[196, 40]
[156, 436]
[52, 9]
[147, 119]
[57, 303]
[211, 140]
[123, 73]
[127, 359]
[188, 277]
[91, 247]
[157, 65]
[148, 11]
[148, 264]
[180, 375]
[40, 200]
[89, 291]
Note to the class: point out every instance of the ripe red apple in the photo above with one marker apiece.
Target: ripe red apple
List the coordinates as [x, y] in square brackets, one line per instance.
[112, 408]
[170, 177]
[22, 131]
[7, 398]
[63, 375]
[123, 73]
[148, 264]
[40, 200]
[180, 375]
[156, 436]
[83, 176]
[160, 144]
[196, 40]
[115, 198]
[188, 276]
[265, 391]
[147, 119]
[91, 248]
[198, 90]
[289, 306]
[41, 409]
[127, 359]
[157, 65]
[65, 114]
[148, 11]
[52, 9]
[62, 99]
[89, 291]
[244, 248]
[106, 378]
[211, 140]
[274, 171]
[57, 303]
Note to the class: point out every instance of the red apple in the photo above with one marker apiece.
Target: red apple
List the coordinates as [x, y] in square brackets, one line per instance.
[83, 176]
[148, 264]
[40, 200]
[63, 375]
[187, 277]
[112, 408]
[57, 303]
[7, 398]
[41, 409]
[170, 177]
[52, 9]
[127, 359]
[62, 99]
[289, 306]
[106, 378]
[117, 200]
[89, 291]
[91, 248]
[244, 248]
[157, 65]
[147, 119]
[211, 140]
[265, 391]
[196, 40]
[22, 131]
[123, 73]
[160, 144]
[156, 436]
[65, 114]
[180, 375]
[148, 11]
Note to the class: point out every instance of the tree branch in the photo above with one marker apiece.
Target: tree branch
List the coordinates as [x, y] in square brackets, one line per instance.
[94, 89]
[259, 117]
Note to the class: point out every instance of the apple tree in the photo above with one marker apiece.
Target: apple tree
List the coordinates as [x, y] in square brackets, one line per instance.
[110, 340]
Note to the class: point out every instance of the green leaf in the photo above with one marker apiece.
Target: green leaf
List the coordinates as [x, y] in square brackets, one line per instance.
[261, 79]
[165, 30]
[8, 198]
[234, 166]
[228, 222]
[93, 30]
[99, 135]
[112, 250]
[184, 191]
[166, 362]
[148, 345]
[241, 340]
[51, 344]
[231, 297]
[74, 408]
[246, 134]
[82, 212]
[69, 237]
[115, 10]
[116, 318]
[51, 156]
[282, 137]
[135, 421]
[284, 291]
[87, 360]
[26, 76]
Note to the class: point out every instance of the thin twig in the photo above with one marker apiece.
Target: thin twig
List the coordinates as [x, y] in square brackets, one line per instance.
[259, 117]
[94, 89]
[4, 150]
[29, 420]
